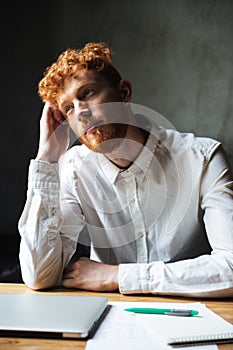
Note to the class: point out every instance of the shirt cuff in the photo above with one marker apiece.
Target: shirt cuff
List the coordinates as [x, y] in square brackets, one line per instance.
[133, 278]
[43, 175]
[140, 278]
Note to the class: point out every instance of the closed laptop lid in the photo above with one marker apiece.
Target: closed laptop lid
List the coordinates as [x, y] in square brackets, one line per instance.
[50, 315]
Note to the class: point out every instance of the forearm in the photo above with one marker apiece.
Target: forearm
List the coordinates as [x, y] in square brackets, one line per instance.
[41, 248]
[206, 276]
[41, 268]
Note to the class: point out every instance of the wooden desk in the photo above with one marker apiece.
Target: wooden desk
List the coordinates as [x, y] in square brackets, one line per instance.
[222, 307]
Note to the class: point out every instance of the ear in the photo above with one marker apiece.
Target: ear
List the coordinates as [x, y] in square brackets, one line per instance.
[126, 90]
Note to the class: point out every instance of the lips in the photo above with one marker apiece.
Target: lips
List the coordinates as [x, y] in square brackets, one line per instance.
[92, 126]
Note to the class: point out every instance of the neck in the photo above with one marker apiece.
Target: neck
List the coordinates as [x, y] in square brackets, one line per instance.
[130, 148]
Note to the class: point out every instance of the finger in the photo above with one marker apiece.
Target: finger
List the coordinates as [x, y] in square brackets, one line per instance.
[58, 116]
[48, 115]
[52, 113]
[71, 267]
[68, 283]
[67, 277]
[70, 272]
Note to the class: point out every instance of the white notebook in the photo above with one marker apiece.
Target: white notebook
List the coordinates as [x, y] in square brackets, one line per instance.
[206, 327]
[126, 330]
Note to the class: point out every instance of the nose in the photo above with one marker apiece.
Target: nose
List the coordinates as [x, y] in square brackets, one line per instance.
[83, 110]
[84, 114]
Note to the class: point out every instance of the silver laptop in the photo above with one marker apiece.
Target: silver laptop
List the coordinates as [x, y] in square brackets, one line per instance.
[50, 316]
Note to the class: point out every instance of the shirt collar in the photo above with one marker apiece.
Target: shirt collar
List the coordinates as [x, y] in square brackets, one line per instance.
[141, 164]
[110, 170]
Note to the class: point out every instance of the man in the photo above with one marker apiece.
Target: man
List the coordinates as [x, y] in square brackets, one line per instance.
[154, 205]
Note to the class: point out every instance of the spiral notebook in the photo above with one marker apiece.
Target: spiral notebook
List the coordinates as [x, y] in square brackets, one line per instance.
[205, 328]
[127, 330]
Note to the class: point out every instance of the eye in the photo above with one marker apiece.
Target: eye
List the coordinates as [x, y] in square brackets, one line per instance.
[68, 108]
[88, 92]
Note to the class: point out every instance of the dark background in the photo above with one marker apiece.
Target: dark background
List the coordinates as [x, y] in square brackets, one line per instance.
[178, 55]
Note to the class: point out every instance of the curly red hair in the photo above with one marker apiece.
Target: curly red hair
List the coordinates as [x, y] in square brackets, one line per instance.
[92, 56]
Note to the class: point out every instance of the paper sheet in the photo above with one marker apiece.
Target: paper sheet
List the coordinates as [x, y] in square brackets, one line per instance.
[121, 330]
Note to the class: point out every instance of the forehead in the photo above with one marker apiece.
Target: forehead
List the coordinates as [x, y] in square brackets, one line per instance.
[79, 80]
[85, 76]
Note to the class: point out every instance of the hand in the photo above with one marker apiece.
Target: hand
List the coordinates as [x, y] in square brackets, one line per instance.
[91, 275]
[54, 134]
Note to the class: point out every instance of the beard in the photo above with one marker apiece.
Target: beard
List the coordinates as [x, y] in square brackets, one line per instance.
[106, 138]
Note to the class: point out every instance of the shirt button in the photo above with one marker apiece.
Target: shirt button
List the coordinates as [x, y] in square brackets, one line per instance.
[132, 200]
[140, 234]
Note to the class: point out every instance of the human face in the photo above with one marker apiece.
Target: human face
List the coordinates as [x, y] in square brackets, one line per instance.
[95, 110]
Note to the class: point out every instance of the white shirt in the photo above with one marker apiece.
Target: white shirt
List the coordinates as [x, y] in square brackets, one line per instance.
[167, 220]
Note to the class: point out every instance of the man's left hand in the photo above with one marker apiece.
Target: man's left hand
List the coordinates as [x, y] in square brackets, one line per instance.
[91, 275]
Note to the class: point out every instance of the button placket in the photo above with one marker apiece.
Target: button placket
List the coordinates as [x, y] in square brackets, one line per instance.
[138, 221]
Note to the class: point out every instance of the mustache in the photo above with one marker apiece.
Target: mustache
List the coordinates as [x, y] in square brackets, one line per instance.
[93, 124]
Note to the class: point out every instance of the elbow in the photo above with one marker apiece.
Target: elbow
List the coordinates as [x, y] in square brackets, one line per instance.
[39, 276]
[38, 280]
[38, 283]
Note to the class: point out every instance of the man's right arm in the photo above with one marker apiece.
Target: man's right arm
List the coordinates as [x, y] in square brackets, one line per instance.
[43, 250]
[39, 226]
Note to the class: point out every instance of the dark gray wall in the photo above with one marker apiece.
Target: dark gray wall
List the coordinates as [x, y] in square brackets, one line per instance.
[178, 55]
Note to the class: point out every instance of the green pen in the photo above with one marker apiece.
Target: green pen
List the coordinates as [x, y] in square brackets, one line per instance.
[170, 312]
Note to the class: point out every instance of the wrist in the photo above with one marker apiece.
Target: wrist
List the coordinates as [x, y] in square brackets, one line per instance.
[111, 283]
[46, 158]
